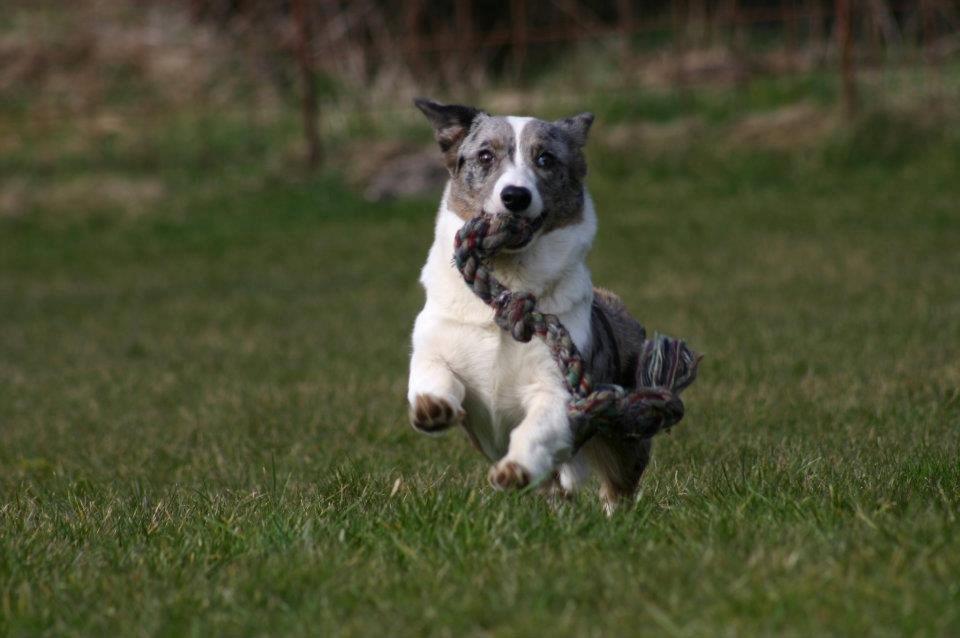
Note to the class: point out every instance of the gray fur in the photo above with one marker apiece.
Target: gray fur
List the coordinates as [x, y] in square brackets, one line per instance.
[576, 127]
[560, 185]
[617, 340]
[472, 181]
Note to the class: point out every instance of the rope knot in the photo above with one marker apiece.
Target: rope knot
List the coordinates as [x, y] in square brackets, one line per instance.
[514, 312]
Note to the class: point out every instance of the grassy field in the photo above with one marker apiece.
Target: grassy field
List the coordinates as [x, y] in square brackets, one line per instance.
[202, 427]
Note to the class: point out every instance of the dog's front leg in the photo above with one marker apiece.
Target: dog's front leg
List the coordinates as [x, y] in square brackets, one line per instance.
[434, 394]
[538, 445]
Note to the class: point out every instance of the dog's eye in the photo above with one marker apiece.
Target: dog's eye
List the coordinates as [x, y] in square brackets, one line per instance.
[485, 156]
[546, 160]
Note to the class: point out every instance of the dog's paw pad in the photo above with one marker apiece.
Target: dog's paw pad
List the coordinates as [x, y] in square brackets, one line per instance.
[432, 414]
[508, 475]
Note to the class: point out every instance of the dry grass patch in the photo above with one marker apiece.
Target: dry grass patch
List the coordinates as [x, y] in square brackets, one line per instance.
[81, 195]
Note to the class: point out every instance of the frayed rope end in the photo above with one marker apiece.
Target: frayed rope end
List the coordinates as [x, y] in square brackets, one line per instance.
[668, 363]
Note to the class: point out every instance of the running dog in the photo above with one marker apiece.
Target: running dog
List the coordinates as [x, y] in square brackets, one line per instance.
[465, 371]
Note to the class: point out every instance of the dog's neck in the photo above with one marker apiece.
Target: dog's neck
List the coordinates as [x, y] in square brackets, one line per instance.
[553, 268]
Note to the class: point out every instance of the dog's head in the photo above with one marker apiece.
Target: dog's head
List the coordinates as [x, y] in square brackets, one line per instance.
[516, 165]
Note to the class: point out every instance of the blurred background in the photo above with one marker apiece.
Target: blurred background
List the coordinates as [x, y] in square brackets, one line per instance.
[212, 218]
[319, 83]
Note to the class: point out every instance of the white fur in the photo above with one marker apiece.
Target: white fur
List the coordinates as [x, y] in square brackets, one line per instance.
[518, 172]
[512, 392]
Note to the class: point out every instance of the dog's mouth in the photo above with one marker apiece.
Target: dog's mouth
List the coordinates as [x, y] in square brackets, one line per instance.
[528, 231]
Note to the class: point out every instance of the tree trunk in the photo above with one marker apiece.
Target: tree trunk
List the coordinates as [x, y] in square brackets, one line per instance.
[845, 47]
[308, 102]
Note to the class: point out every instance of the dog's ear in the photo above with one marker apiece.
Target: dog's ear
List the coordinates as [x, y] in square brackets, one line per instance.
[577, 127]
[451, 123]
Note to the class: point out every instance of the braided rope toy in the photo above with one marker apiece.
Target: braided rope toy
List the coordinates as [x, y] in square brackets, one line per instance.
[666, 366]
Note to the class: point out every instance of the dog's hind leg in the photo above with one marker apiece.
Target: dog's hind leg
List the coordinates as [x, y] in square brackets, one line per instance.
[620, 462]
[574, 473]
[566, 480]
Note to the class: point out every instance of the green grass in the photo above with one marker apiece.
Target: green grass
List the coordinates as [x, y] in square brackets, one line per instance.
[202, 428]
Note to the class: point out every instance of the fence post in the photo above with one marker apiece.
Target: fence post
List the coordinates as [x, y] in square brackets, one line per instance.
[625, 26]
[518, 18]
[845, 46]
[308, 101]
[463, 18]
[412, 41]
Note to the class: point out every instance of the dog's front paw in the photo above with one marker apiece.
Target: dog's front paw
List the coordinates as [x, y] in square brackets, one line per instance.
[507, 475]
[431, 414]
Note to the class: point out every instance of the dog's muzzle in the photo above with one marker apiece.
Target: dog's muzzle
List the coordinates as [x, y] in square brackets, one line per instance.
[524, 230]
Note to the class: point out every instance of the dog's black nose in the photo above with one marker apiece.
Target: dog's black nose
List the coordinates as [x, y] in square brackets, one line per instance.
[515, 198]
